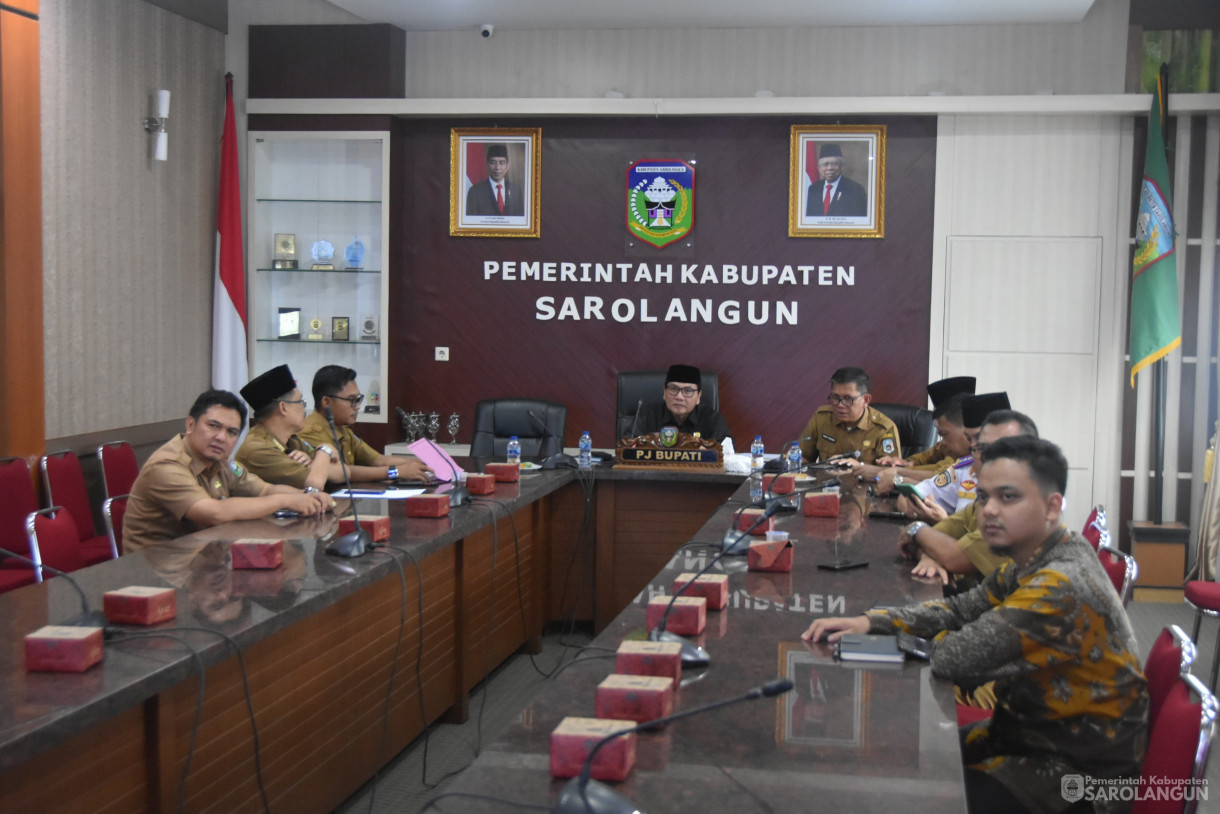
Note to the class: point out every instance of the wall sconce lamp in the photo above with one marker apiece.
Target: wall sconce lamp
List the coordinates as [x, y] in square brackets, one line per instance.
[155, 125]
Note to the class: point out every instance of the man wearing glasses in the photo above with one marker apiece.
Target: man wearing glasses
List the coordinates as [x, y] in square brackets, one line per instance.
[334, 386]
[681, 409]
[847, 424]
[273, 450]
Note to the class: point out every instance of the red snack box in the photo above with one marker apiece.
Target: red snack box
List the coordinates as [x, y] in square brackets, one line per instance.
[748, 517]
[140, 605]
[427, 506]
[378, 525]
[712, 587]
[774, 556]
[574, 739]
[784, 484]
[822, 504]
[650, 659]
[478, 484]
[505, 473]
[635, 698]
[60, 649]
[252, 553]
[688, 618]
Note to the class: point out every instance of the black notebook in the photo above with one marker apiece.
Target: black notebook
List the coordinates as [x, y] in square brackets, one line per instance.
[869, 647]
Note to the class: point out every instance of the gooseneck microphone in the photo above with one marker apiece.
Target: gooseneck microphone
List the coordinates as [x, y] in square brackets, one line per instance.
[835, 462]
[583, 795]
[692, 654]
[639, 405]
[356, 543]
[560, 460]
[459, 495]
[88, 617]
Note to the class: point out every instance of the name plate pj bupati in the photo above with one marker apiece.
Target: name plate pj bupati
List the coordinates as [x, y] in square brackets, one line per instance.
[632, 455]
[668, 448]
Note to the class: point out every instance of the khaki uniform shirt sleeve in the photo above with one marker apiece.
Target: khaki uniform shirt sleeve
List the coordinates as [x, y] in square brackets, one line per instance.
[361, 453]
[242, 482]
[956, 525]
[928, 457]
[264, 457]
[172, 486]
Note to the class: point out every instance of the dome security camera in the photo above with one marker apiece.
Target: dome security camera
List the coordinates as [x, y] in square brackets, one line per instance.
[487, 30]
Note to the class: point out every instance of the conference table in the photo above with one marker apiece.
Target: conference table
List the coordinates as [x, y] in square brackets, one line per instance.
[348, 661]
[863, 738]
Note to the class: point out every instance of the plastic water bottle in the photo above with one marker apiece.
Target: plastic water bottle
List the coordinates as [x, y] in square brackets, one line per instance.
[586, 451]
[514, 450]
[794, 458]
[756, 490]
[756, 454]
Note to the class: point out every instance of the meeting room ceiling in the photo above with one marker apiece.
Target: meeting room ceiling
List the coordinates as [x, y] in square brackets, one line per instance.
[438, 15]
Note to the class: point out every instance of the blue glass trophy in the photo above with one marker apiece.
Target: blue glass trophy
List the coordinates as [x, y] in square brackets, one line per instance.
[354, 254]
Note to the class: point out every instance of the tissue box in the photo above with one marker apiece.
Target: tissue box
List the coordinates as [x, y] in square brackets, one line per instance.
[774, 556]
[712, 587]
[505, 473]
[377, 525]
[257, 554]
[427, 506]
[635, 698]
[650, 659]
[481, 484]
[784, 484]
[61, 649]
[574, 739]
[140, 605]
[748, 517]
[822, 504]
[688, 617]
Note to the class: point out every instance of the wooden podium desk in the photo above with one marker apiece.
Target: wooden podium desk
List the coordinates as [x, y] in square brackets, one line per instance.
[877, 738]
[318, 637]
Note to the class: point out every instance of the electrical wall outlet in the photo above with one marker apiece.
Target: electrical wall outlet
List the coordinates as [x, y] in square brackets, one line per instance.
[442, 354]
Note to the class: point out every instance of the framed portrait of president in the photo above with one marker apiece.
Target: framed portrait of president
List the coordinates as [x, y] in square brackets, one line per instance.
[495, 181]
[836, 184]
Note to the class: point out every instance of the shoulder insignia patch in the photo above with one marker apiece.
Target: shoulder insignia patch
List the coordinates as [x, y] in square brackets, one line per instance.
[237, 468]
[944, 478]
[887, 446]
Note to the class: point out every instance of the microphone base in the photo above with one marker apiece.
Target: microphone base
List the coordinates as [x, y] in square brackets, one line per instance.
[597, 798]
[560, 460]
[350, 545]
[735, 543]
[459, 495]
[692, 654]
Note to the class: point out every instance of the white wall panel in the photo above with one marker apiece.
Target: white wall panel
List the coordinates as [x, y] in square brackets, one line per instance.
[1029, 295]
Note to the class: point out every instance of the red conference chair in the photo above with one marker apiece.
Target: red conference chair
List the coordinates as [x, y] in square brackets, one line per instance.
[64, 482]
[113, 511]
[1171, 656]
[54, 540]
[119, 467]
[1095, 528]
[1204, 597]
[1121, 568]
[1177, 751]
[17, 500]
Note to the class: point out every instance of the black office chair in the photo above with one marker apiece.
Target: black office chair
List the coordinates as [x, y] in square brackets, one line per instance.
[916, 428]
[495, 420]
[647, 386]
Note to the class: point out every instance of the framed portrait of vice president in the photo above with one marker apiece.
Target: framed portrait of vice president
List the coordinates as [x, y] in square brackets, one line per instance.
[495, 181]
[836, 184]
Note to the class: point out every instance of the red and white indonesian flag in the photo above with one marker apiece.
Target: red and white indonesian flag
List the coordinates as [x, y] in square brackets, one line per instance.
[476, 165]
[229, 368]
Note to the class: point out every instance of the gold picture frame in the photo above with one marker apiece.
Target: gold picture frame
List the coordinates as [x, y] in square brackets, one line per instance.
[855, 206]
[476, 207]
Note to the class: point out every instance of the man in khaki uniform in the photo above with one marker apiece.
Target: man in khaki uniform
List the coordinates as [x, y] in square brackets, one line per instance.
[273, 450]
[947, 396]
[848, 424]
[334, 387]
[190, 483]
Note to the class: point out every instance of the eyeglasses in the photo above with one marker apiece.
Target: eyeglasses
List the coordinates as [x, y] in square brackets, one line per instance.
[355, 400]
[293, 401]
[674, 390]
[842, 400]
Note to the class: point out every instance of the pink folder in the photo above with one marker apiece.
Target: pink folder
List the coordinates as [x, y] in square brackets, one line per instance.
[436, 459]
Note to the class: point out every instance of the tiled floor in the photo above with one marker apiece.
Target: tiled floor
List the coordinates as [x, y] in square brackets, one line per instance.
[406, 786]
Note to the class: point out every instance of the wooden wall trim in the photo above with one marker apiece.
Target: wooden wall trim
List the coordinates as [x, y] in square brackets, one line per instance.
[22, 397]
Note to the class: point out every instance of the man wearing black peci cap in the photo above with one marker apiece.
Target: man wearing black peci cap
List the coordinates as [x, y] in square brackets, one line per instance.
[272, 449]
[680, 407]
[947, 396]
[834, 194]
[496, 195]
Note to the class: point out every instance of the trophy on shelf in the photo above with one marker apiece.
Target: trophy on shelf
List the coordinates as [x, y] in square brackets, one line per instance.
[354, 254]
[315, 330]
[290, 323]
[373, 405]
[415, 426]
[434, 425]
[285, 252]
[323, 253]
[339, 329]
[368, 329]
[454, 423]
